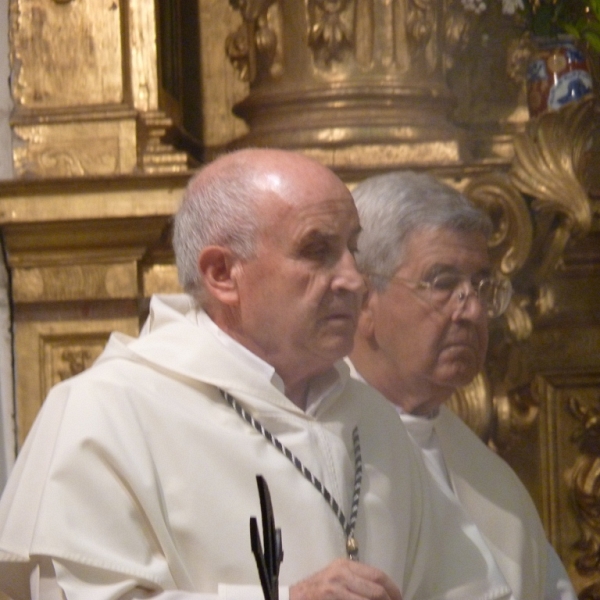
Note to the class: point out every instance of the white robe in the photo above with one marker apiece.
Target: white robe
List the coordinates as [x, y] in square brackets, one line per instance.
[489, 496]
[137, 476]
[497, 501]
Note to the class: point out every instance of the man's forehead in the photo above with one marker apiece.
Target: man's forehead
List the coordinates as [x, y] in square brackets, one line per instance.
[445, 246]
[330, 214]
[313, 204]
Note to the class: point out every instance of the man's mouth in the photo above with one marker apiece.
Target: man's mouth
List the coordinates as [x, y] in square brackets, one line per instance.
[342, 317]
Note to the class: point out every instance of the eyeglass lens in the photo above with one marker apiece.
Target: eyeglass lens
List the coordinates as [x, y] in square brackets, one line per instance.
[493, 294]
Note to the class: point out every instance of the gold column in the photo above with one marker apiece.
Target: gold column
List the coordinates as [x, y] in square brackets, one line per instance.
[356, 85]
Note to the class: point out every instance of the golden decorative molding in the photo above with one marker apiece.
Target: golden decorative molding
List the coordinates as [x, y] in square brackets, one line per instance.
[511, 241]
[252, 47]
[55, 148]
[160, 279]
[67, 355]
[413, 45]
[104, 121]
[85, 255]
[156, 156]
[75, 282]
[584, 479]
[51, 348]
[43, 76]
[570, 455]
[329, 36]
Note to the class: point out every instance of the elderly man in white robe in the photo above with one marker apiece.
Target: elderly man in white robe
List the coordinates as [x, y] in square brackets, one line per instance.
[138, 478]
[423, 333]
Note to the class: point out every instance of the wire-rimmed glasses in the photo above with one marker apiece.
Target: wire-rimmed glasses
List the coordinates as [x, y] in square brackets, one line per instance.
[493, 291]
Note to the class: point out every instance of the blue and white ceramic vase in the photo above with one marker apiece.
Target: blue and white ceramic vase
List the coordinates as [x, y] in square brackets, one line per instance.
[557, 74]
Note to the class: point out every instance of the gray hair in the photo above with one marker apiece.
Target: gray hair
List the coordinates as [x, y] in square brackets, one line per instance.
[218, 208]
[393, 205]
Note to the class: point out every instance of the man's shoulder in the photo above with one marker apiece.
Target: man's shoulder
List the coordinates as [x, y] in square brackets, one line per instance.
[448, 423]
[463, 449]
[366, 395]
[455, 433]
[377, 418]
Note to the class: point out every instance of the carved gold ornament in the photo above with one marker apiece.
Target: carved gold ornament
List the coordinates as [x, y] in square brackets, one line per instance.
[511, 240]
[548, 167]
[473, 403]
[329, 36]
[252, 47]
[585, 490]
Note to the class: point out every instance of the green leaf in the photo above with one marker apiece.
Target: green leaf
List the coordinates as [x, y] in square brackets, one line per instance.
[593, 26]
[572, 30]
[595, 7]
[593, 40]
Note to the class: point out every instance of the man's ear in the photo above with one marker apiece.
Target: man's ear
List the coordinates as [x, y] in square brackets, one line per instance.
[366, 322]
[216, 263]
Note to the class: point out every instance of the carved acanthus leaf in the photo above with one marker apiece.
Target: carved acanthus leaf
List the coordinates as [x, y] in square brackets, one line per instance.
[252, 47]
[329, 36]
[420, 21]
[548, 163]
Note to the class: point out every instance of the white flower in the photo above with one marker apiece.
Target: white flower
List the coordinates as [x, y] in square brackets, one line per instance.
[476, 6]
[509, 7]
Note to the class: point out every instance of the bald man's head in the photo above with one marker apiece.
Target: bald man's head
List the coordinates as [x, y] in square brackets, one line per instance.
[221, 204]
[265, 240]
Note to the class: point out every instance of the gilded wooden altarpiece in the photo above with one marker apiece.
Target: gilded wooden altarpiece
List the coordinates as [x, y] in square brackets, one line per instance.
[107, 127]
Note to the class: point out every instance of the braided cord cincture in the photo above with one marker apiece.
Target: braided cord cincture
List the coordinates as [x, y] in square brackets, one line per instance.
[347, 525]
[351, 543]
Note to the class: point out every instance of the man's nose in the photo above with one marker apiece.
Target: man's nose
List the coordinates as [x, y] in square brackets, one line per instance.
[348, 276]
[467, 303]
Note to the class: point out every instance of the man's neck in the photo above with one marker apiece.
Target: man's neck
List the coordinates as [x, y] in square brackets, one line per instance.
[298, 393]
[413, 396]
[296, 386]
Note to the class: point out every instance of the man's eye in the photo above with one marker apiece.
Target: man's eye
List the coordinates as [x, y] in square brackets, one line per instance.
[445, 283]
[317, 251]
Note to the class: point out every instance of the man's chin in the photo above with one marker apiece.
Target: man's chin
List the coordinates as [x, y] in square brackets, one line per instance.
[462, 356]
[457, 374]
[338, 346]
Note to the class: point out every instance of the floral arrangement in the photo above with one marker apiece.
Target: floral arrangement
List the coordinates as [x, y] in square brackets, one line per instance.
[550, 18]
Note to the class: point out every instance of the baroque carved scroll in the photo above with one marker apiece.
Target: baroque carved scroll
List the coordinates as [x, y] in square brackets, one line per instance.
[536, 209]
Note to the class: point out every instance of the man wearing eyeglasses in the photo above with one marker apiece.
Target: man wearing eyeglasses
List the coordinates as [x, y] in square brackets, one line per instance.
[422, 334]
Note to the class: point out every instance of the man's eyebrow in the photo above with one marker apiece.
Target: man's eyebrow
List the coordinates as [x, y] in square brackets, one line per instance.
[323, 234]
[318, 234]
[438, 268]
